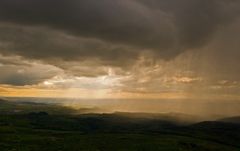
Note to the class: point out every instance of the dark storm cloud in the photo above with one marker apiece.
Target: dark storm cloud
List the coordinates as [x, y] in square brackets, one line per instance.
[164, 27]
[122, 22]
[197, 20]
[46, 44]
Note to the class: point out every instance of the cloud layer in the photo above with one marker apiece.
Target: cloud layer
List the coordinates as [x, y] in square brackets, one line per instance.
[110, 29]
[145, 46]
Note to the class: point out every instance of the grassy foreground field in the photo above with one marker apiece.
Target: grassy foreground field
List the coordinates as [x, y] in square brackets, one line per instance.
[20, 139]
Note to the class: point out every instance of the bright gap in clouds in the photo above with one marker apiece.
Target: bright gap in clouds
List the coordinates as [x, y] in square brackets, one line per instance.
[86, 87]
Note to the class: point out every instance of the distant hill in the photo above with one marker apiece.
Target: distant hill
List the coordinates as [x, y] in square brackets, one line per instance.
[235, 120]
[2, 101]
[23, 107]
[20, 107]
[178, 118]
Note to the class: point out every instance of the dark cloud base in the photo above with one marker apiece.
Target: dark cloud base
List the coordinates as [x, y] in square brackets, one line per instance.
[124, 28]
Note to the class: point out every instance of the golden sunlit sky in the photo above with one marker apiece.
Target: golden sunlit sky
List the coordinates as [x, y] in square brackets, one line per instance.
[131, 49]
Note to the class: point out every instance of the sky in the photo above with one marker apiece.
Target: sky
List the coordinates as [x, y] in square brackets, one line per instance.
[127, 49]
